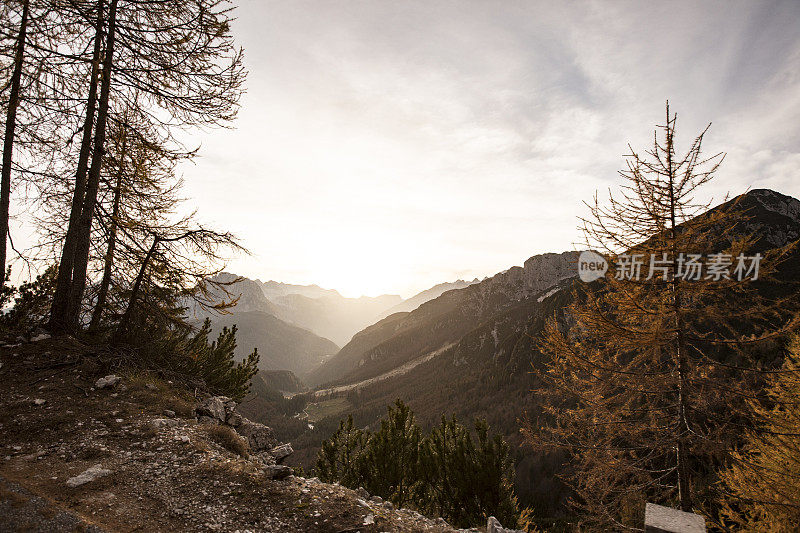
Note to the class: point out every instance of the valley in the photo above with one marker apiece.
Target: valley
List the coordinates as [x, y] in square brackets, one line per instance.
[471, 352]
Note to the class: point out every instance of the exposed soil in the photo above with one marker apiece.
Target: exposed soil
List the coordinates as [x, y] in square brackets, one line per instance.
[166, 474]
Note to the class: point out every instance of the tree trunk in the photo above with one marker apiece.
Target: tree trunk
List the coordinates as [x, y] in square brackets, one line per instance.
[84, 229]
[102, 294]
[122, 327]
[8, 139]
[58, 309]
[681, 353]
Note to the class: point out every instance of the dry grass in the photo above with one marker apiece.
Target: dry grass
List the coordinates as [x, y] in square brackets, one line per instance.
[159, 395]
[228, 438]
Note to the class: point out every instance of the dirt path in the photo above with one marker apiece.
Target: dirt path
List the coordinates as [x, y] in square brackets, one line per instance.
[399, 371]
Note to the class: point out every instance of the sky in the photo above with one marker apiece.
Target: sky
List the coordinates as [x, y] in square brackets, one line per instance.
[384, 146]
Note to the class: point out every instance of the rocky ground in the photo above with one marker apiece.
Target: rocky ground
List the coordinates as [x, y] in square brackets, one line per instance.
[78, 455]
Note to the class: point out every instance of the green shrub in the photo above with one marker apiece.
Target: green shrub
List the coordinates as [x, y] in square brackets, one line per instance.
[450, 473]
[184, 353]
[31, 303]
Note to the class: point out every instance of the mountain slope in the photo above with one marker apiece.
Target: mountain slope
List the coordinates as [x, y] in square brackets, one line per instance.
[486, 371]
[331, 315]
[427, 295]
[281, 346]
[400, 338]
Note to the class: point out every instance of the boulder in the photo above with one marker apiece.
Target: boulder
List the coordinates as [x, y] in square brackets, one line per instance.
[493, 526]
[90, 474]
[107, 382]
[164, 423]
[278, 471]
[281, 452]
[219, 408]
[213, 408]
[259, 436]
[234, 419]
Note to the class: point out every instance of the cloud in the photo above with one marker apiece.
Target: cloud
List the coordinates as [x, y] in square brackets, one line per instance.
[431, 140]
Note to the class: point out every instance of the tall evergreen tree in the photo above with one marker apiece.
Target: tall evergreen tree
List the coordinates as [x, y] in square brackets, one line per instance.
[392, 456]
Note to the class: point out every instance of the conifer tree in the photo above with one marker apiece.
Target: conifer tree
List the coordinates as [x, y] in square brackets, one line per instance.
[763, 480]
[177, 62]
[340, 458]
[392, 455]
[464, 481]
[646, 372]
[447, 473]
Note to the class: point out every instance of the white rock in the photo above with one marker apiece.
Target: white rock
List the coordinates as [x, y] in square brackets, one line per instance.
[164, 423]
[660, 518]
[39, 401]
[90, 474]
[369, 519]
[41, 337]
[106, 382]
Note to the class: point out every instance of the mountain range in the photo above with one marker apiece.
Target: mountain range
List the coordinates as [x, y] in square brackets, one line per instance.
[296, 327]
[470, 351]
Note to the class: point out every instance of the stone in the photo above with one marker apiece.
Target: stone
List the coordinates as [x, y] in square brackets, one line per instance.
[151, 386]
[281, 452]
[163, 423]
[213, 407]
[88, 475]
[278, 472]
[493, 526]
[206, 420]
[40, 337]
[377, 499]
[234, 419]
[107, 382]
[660, 519]
[259, 436]
[39, 401]
[361, 491]
[169, 413]
[369, 519]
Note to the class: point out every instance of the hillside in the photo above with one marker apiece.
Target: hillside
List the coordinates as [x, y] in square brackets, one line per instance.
[132, 457]
[281, 346]
[324, 312]
[427, 295]
[486, 337]
[282, 380]
[400, 338]
[331, 315]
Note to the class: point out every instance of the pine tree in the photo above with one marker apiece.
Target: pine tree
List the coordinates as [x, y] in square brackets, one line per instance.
[645, 373]
[447, 473]
[464, 481]
[763, 479]
[340, 458]
[392, 455]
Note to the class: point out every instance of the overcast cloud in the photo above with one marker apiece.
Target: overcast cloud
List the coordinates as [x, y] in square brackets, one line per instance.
[383, 147]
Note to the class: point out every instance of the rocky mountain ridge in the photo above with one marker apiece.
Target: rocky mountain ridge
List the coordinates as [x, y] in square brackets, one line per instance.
[401, 337]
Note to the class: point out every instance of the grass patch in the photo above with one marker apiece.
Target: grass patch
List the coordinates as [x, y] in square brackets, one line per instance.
[334, 407]
[159, 395]
[227, 437]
